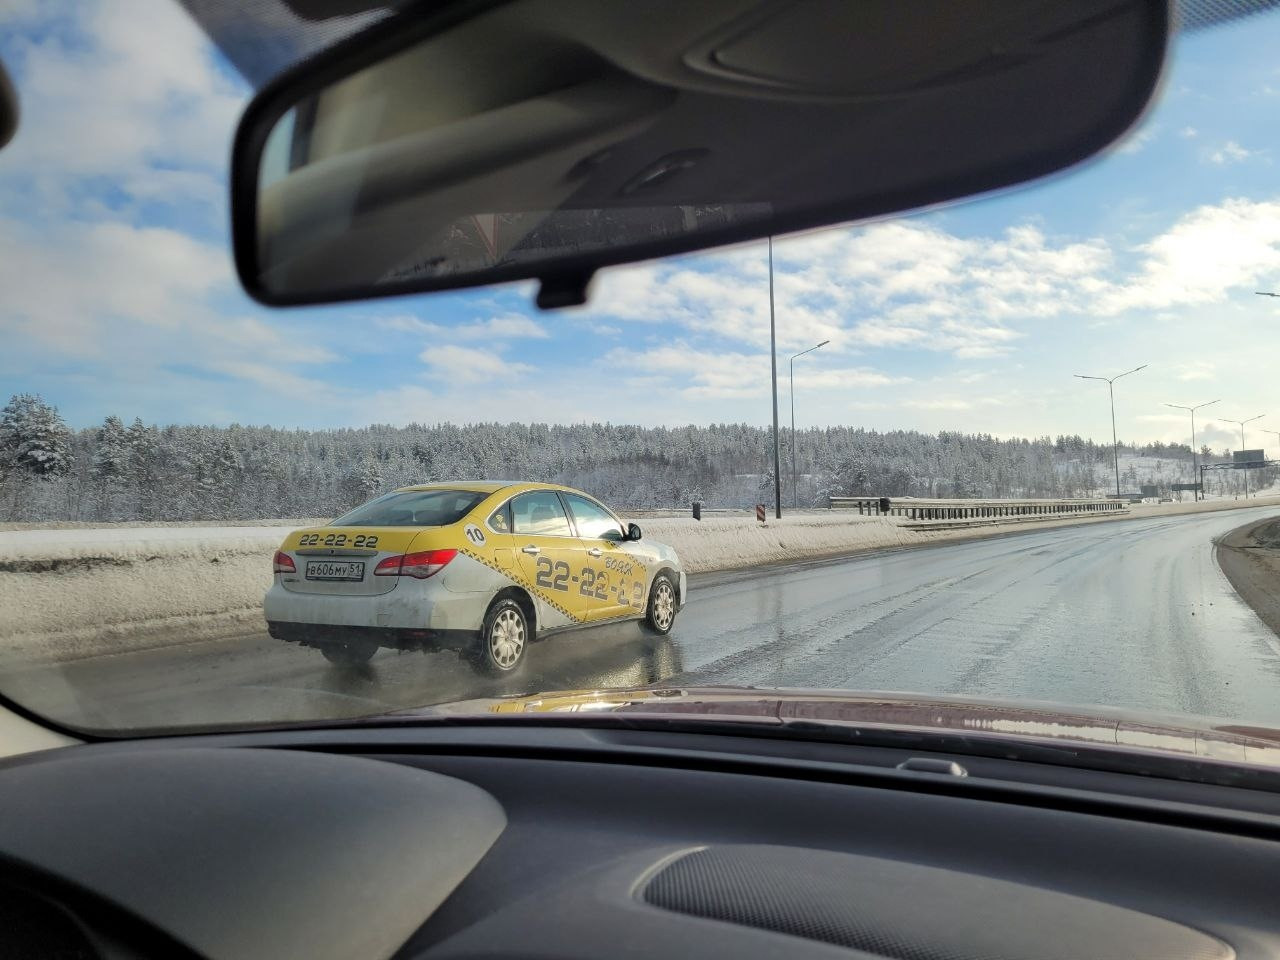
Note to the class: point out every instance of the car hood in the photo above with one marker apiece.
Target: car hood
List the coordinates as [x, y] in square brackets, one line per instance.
[976, 719]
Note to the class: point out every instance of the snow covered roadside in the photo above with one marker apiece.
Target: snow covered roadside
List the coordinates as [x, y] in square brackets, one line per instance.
[72, 593]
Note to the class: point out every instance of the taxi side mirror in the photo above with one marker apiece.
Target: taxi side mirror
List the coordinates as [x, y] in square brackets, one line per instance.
[633, 531]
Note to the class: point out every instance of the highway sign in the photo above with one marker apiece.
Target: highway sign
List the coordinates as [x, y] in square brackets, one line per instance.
[1245, 459]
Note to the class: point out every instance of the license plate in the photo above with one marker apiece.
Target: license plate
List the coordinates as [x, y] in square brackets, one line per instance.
[335, 570]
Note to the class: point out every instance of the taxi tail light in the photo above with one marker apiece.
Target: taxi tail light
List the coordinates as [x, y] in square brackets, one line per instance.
[283, 563]
[419, 565]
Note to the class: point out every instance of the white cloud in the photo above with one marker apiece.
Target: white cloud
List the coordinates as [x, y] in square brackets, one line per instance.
[60, 285]
[406, 323]
[1195, 371]
[1225, 436]
[954, 403]
[1137, 140]
[454, 364]
[125, 90]
[1202, 257]
[730, 375]
[505, 326]
[1231, 152]
[406, 403]
[893, 284]
[1189, 133]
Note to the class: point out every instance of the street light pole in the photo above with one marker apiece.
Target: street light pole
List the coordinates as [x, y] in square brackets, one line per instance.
[795, 488]
[1115, 442]
[1241, 424]
[773, 362]
[1195, 459]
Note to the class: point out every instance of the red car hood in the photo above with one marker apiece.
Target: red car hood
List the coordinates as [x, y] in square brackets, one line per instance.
[974, 718]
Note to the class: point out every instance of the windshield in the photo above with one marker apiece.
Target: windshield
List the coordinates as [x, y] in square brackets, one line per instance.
[1025, 451]
[431, 508]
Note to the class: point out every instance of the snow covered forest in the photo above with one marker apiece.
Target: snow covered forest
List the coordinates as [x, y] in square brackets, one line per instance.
[139, 471]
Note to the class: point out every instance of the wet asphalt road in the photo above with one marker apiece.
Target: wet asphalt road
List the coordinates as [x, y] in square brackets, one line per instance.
[1131, 613]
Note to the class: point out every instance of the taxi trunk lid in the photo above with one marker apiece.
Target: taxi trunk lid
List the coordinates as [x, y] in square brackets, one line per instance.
[340, 561]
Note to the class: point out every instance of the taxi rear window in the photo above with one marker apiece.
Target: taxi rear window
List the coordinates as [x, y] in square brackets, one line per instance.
[413, 508]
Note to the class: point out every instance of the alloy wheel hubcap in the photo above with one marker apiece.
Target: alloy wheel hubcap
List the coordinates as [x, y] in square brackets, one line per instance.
[664, 606]
[506, 639]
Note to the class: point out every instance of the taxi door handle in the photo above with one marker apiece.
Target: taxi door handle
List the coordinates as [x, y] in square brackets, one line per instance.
[531, 549]
[595, 552]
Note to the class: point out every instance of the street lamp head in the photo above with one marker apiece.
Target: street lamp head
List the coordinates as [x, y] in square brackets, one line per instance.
[1193, 409]
[1085, 376]
[811, 349]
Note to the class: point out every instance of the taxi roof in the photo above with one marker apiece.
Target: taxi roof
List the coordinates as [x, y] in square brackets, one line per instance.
[485, 486]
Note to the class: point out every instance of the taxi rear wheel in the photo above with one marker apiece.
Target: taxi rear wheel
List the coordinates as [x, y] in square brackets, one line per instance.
[504, 639]
[661, 612]
[351, 654]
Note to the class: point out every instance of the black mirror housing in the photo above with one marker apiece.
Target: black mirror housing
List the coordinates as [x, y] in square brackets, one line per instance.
[633, 531]
[524, 140]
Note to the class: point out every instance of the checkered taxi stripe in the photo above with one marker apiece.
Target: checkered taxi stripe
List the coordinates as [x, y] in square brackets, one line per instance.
[520, 582]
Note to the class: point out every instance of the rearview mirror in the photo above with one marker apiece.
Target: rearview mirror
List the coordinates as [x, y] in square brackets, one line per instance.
[633, 531]
[545, 139]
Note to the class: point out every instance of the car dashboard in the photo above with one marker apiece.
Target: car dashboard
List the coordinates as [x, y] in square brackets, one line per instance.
[548, 839]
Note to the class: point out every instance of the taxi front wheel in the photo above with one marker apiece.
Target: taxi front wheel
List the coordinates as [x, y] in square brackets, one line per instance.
[661, 612]
[504, 638]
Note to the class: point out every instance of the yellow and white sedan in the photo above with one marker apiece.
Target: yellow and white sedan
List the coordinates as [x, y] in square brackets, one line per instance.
[481, 568]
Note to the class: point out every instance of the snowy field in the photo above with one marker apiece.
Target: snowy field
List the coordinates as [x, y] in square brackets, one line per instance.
[71, 593]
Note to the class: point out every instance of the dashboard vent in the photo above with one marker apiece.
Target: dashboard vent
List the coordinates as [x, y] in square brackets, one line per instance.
[906, 911]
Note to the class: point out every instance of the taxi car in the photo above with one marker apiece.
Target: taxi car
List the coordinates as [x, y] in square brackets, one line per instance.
[478, 567]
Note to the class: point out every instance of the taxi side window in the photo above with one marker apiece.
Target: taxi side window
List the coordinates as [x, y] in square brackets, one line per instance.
[539, 514]
[500, 520]
[594, 521]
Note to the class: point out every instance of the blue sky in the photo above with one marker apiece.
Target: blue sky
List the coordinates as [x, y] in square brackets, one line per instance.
[119, 296]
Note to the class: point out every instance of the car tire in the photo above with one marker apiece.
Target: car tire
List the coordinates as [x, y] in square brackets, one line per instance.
[660, 614]
[504, 640]
[349, 654]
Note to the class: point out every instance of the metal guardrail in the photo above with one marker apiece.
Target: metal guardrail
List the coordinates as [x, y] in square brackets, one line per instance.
[920, 509]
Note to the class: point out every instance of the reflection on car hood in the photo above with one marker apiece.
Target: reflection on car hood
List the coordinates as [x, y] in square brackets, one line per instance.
[1029, 721]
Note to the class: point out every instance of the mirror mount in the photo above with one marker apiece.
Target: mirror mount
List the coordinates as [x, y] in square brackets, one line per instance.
[564, 290]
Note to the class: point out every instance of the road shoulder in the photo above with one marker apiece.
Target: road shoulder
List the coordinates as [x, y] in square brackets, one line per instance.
[1250, 558]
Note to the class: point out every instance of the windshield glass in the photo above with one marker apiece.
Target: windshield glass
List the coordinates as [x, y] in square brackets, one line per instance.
[431, 508]
[1027, 448]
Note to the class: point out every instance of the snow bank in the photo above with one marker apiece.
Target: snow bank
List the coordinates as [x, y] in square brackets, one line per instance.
[727, 543]
[70, 593]
[1204, 506]
[73, 593]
